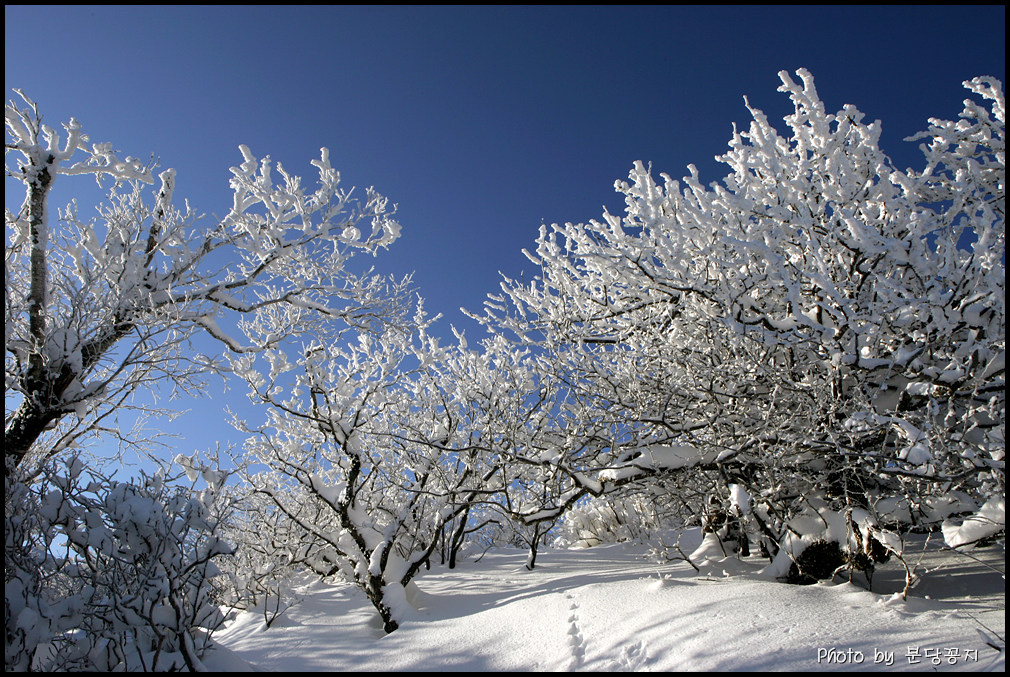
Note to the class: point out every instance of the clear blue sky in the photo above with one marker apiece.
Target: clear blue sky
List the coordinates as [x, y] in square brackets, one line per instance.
[479, 122]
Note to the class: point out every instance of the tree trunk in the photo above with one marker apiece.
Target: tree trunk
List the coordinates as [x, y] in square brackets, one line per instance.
[531, 558]
[456, 542]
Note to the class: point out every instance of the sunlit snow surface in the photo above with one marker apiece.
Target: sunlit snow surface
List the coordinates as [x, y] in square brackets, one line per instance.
[609, 608]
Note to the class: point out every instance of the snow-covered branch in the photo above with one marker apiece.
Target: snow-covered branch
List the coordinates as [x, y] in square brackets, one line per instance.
[106, 305]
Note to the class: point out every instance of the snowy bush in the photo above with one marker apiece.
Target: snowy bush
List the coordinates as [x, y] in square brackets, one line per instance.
[107, 575]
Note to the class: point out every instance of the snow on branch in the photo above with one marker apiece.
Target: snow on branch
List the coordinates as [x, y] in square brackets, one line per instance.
[125, 291]
[42, 146]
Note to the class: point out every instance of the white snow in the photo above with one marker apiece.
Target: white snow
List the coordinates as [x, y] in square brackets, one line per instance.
[610, 608]
[658, 457]
[990, 519]
[739, 498]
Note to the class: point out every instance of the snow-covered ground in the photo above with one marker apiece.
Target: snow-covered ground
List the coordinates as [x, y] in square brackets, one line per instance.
[611, 608]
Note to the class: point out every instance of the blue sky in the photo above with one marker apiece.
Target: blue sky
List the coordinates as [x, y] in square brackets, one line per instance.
[481, 123]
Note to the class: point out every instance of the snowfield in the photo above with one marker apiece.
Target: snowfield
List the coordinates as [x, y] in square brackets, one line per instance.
[612, 608]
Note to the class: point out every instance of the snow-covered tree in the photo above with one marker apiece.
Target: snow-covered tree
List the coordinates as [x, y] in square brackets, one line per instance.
[361, 452]
[383, 446]
[817, 324]
[97, 308]
[271, 557]
[100, 309]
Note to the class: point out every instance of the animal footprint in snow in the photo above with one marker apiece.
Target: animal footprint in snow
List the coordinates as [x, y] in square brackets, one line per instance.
[575, 639]
[634, 657]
